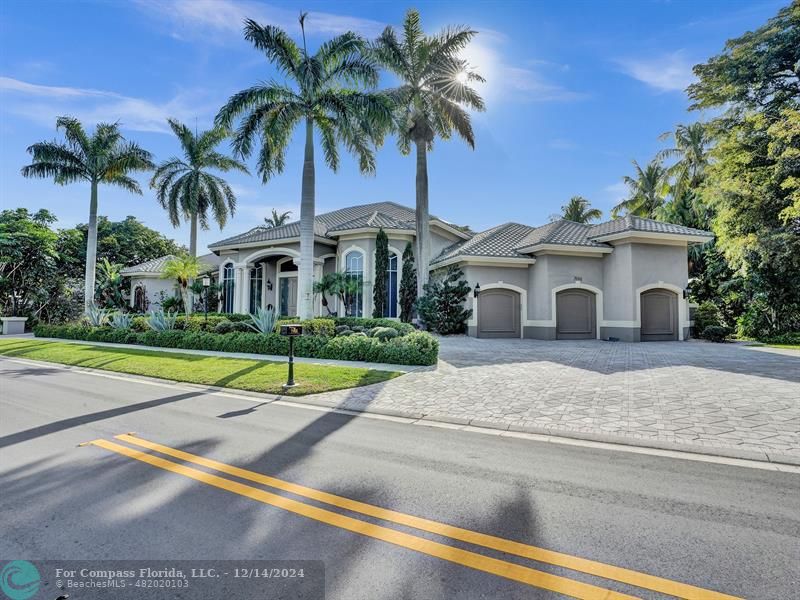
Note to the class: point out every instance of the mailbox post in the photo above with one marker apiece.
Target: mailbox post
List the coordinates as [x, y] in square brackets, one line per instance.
[291, 331]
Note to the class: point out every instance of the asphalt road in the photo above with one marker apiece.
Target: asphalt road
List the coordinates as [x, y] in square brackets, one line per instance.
[730, 529]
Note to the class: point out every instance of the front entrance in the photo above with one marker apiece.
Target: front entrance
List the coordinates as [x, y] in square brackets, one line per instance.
[498, 314]
[659, 315]
[576, 315]
[287, 300]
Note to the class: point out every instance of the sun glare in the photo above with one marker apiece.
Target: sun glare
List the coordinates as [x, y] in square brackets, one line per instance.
[461, 77]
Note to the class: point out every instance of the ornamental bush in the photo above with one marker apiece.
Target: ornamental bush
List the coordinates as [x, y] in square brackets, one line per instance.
[706, 315]
[716, 333]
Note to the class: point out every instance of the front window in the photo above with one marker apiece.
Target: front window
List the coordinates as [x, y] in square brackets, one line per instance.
[391, 288]
[256, 285]
[354, 267]
[227, 288]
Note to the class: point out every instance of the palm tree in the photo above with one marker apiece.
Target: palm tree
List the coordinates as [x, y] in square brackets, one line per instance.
[691, 150]
[579, 210]
[316, 94]
[105, 157]
[183, 269]
[277, 219]
[186, 187]
[648, 191]
[430, 101]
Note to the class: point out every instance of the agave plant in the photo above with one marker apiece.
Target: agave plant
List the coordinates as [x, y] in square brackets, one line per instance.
[97, 316]
[120, 320]
[263, 320]
[158, 320]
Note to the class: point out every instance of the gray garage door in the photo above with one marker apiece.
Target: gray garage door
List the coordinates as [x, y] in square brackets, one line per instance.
[498, 314]
[575, 315]
[659, 315]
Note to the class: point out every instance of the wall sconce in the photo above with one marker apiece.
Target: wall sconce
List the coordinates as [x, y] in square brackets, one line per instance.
[578, 279]
[477, 290]
[206, 281]
[685, 293]
[269, 285]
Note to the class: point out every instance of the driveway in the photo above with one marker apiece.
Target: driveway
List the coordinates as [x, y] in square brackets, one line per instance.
[722, 398]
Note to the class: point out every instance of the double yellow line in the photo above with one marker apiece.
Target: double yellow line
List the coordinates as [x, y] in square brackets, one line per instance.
[480, 562]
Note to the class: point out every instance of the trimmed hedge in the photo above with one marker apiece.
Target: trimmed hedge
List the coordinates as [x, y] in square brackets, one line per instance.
[416, 348]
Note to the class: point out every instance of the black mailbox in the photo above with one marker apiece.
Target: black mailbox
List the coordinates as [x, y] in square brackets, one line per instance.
[291, 330]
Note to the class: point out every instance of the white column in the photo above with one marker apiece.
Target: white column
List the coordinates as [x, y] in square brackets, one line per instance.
[317, 277]
[238, 290]
[263, 285]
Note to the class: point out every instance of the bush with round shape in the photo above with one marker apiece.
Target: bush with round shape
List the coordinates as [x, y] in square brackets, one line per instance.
[716, 333]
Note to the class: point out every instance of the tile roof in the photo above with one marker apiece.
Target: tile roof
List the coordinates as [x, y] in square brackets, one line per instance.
[376, 219]
[567, 233]
[500, 241]
[209, 262]
[634, 223]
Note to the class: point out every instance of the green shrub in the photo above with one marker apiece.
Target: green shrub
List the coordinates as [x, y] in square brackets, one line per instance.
[340, 329]
[383, 333]
[416, 348]
[401, 328]
[789, 339]
[706, 315]
[346, 332]
[229, 327]
[716, 333]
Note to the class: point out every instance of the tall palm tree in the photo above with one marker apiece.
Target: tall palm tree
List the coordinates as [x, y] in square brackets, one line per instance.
[104, 157]
[277, 219]
[648, 191]
[691, 149]
[187, 188]
[316, 95]
[183, 269]
[579, 209]
[431, 99]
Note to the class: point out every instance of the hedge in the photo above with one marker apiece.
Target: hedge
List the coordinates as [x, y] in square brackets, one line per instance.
[416, 348]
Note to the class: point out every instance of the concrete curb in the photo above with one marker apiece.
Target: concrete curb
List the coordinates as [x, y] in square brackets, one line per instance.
[497, 428]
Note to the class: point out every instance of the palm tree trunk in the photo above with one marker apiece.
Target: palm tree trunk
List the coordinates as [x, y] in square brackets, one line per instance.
[188, 301]
[423, 254]
[305, 274]
[91, 250]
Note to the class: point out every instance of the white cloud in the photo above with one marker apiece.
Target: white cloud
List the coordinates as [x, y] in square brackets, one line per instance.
[666, 73]
[223, 18]
[507, 81]
[616, 193]
[43, 103]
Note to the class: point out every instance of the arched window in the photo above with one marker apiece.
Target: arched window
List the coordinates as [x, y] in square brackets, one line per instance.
[227, 288]
[256, 285]
[391, 287]
[354, 267]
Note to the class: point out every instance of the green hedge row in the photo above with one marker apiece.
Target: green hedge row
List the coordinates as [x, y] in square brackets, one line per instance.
[417, 348]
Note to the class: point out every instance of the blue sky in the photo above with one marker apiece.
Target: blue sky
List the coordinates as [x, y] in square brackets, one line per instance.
[575, 91]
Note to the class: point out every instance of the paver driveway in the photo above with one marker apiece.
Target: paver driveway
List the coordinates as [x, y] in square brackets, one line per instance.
[739, 400]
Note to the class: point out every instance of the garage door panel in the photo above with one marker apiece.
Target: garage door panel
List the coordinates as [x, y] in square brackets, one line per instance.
[576, 315]
[659, 315]
[498, 313]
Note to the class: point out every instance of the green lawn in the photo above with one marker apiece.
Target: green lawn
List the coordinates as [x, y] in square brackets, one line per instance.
[242, 374]
[788, 346]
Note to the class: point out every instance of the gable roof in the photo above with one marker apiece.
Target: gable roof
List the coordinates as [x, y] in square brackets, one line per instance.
[388, 215]
[155, 266]
[634, 223]
[561, 232]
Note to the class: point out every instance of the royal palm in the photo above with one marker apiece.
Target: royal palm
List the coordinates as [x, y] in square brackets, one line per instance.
[105, 157]
[315, 96]
[186, 187]
[430, 101]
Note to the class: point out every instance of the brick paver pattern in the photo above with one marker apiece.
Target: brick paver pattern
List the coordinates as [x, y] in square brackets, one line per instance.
[719, 395]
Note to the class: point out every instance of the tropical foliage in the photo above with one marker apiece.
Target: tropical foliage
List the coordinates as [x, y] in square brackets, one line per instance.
[110, 292]
[442, 307]
[579, 210]
[380, 287]
[321, 92]
[431, 100]
[104, 157]
[277, 219]
[408, 285]
[187, 188]
[647, 191]
[183, 269]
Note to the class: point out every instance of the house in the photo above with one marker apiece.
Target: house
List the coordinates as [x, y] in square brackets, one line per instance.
[623, 279]
[149, 288]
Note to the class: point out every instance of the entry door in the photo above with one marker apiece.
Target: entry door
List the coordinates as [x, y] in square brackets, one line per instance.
[498, 313]
[575, 315]
[288, 300]
[659, 315]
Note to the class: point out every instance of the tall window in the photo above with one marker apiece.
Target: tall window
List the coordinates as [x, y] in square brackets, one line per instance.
[256, 285]
[391, 287]
[227, 288]
[354, 267]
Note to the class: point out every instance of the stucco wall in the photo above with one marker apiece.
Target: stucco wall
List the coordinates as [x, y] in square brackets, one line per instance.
[153, 286]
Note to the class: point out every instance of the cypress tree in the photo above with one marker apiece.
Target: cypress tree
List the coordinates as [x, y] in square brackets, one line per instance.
[379, 289]
[408, 285]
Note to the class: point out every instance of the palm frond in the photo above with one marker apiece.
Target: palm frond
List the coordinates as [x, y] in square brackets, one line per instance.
[276, 44]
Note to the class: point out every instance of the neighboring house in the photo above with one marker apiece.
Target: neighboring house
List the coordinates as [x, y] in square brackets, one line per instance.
[624, 278]
[149, 288]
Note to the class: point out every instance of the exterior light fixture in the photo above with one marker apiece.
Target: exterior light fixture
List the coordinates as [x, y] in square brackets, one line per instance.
[269, 285]
[477, 290]
[206, 284]
[578, 279]
[206, 281]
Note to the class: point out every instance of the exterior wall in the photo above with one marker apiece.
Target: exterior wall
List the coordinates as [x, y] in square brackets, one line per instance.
[513, 278]
[153, 287]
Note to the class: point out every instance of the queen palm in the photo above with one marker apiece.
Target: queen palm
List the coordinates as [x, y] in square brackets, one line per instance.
[277, 219]
[105, 157]
[430, 101]
[648, 191]
[579, 210]
[186, 188]
[183, 269]
[315, 95]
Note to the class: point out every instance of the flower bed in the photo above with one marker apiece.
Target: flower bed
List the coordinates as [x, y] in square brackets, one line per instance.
[406, 348]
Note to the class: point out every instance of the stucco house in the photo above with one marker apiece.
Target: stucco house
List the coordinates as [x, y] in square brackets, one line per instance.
[149, 288]
[623, 279]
